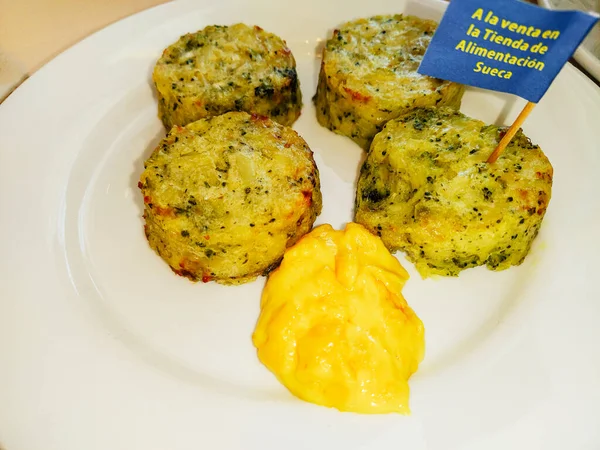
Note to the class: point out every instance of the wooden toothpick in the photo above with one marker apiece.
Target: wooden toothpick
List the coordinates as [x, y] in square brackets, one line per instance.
[511, 132]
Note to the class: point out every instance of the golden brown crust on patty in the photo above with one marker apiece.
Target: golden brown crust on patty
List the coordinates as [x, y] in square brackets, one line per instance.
[427, 190]
[227, 68]
[369, 76]
[225, 196]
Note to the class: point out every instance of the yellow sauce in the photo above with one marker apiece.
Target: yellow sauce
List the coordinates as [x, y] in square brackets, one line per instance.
[334, 327]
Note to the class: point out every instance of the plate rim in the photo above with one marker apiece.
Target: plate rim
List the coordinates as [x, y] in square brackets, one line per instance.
[23, 90]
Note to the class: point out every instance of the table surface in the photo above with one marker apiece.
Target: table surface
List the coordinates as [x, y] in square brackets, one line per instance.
[32, 32]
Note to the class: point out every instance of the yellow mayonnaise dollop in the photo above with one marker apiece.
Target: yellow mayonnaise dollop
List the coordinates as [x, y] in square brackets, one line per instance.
[334, 327]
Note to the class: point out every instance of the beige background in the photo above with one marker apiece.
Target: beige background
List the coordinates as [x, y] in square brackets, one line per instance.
[32, 32]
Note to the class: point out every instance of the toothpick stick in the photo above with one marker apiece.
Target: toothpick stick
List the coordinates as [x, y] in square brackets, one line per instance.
[511, 132]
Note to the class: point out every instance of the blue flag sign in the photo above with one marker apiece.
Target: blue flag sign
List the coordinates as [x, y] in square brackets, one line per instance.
[504, 45]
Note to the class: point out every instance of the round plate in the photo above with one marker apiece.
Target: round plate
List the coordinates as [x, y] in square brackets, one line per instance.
[588, 53]
[102, 346]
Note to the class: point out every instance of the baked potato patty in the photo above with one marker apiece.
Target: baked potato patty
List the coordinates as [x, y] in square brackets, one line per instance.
[369, 76]
[225, 196]
[426, 189]
[227, 68]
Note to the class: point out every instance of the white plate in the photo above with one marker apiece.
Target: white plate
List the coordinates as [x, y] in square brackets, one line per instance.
[101, 346]
[588, 53]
